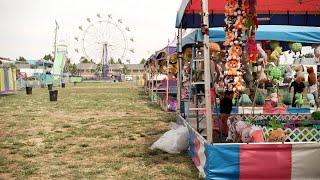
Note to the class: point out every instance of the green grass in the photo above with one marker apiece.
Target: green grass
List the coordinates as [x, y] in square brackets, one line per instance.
[94, 131]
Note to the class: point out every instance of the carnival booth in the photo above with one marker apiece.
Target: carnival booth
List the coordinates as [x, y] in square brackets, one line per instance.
[7, 79]
[272, 138]
[166, 89]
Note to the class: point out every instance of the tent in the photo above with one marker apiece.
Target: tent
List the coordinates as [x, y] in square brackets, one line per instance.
[281, 12]
[303, 34]
[7, 79]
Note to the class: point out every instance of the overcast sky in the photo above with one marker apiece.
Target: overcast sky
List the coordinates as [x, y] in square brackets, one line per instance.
[27, 26]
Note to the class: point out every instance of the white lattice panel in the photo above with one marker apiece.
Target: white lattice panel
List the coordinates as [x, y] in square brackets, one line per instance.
[297, 135]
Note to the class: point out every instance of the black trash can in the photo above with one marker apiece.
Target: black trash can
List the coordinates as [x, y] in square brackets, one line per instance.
[63, 85]
[53, 95]
[29, 90]
[50, 87]
[74, 83]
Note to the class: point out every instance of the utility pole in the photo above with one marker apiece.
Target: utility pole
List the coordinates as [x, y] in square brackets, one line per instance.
[55, 39]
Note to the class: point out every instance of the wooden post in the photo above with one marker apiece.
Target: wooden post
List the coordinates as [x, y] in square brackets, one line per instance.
[205, 26]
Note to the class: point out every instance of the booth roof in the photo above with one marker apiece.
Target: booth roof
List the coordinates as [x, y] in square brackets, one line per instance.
[287, 12]
[301, 34]
[171, 50]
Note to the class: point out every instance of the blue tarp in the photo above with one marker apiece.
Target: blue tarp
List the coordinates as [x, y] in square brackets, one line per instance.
[301, 34]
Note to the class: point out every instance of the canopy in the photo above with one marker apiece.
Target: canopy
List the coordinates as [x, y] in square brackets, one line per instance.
[280, 12]
[301, 34]
[171, 49]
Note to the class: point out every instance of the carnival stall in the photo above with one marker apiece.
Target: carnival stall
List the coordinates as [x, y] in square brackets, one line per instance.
[7, 78]
[287, 138]
[167, 66]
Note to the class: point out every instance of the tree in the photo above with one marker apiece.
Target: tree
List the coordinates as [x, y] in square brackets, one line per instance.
[143, 61]
[111, 61]
[125, 70]
[21, 59]
[68, 65]
[84, 60]
[120, 61]
[73, 70]
[48, 57]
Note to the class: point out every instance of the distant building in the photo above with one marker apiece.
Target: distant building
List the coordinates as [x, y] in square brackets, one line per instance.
[87, 70]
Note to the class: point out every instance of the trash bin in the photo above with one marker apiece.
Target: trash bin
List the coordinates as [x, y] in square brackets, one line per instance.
[63, 85]
[53, 95]
[29, 90]
[50, 87]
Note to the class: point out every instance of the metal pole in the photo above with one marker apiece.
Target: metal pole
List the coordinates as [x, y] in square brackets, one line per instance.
[179, 45]
[205, 26]
[167, 94]
[55, 40]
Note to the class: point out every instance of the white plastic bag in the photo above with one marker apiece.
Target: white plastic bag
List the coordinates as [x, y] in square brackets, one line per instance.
[173, 141]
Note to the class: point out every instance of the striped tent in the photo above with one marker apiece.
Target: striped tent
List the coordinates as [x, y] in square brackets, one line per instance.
[7, 79]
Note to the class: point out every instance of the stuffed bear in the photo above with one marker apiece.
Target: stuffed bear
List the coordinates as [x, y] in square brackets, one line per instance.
[277, 135]
[311, 100]
[312, 78]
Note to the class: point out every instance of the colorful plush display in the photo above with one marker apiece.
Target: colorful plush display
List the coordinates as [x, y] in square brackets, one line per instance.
[299, 100]
[245, 100]
[277, 135]
[252, 50]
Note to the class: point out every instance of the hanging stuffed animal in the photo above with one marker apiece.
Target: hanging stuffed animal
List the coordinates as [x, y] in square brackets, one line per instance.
[252, 50]
[295, 47]
[262, 77]
[274, 99]
[288, 74]
[275, 74]
[187, 55]
[298, 68]
[275, 55]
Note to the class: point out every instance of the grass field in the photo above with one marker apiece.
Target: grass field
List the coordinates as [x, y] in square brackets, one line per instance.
[94, 131]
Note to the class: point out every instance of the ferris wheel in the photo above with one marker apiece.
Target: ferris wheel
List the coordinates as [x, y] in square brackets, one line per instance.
[103, 38]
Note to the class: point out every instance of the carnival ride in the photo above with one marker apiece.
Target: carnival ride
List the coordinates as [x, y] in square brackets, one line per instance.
[103, 38]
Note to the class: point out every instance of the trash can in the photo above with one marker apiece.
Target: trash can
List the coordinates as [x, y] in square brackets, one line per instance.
[29, 90]
[63, 85]
[50, 87]
[53, 95]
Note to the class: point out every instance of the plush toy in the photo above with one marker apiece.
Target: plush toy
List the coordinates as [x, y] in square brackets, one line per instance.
[317, 54]
[312, 78]
[245, 100]
[214, 48]
[295, 47]
[187, 55]
[287, 99]
[239, 86]
[262, 77]
[299, 100]
[252, 50]
[288, 74]
[260, 99]
[311, 100]
[275, 74]
[277, 135]
[274, 99]
[274, 44]
[275, 55]
[240, 131]
[298, 68]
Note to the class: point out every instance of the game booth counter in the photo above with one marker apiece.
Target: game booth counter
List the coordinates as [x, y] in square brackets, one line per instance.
[268, 136]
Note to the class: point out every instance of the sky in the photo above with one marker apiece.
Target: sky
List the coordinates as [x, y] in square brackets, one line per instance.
[27, 26]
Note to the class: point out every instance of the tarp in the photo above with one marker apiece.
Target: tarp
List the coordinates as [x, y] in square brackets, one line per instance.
[301, 34]
[58, 66]
[280, 12]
